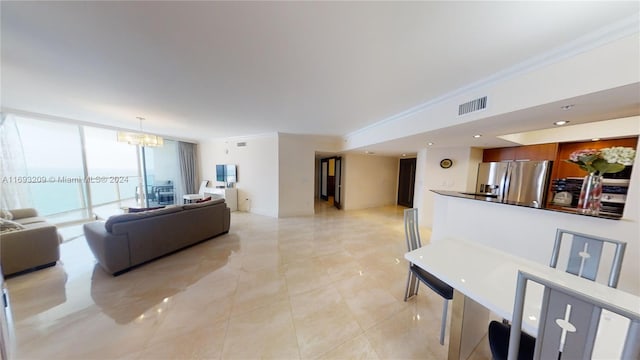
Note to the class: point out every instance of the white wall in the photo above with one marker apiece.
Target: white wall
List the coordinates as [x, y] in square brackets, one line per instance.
[530, 233]
[275, 171]
[429, 176]
[296, 173]
[257, 166]
[369, 181]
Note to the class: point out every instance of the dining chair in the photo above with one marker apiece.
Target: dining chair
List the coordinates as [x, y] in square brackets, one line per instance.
[412, 235]
[583, 260]
[568, 322]
[585, 255]
[199, 196]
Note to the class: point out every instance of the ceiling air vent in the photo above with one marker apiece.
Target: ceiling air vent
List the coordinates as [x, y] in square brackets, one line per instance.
[473, 105]
[241, 144]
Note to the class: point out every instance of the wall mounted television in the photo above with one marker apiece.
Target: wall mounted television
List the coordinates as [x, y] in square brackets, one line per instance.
[226, 173]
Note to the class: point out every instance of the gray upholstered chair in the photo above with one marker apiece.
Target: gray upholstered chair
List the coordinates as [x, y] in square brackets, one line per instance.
[412, 235]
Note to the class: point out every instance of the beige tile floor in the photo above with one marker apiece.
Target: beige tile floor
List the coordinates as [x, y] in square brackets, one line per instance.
[328, 286]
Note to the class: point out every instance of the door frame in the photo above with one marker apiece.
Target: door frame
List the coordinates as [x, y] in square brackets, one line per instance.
[324, 173]
[337, 173]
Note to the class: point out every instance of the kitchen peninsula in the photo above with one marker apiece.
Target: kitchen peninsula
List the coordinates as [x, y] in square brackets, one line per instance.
[529, 232]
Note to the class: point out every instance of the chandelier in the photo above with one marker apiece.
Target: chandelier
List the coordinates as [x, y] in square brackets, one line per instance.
[140, 138]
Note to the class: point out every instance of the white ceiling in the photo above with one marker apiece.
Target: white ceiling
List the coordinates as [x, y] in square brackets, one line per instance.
[202, 70]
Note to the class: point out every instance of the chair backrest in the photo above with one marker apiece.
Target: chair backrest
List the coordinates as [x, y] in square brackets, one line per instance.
[203, 187]
[568, 323]
[585, 253]
[411, 230]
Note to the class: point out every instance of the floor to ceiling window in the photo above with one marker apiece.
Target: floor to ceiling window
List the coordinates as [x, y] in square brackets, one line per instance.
[53, 155]
[162, 174]
[74, 172]
[113, 167]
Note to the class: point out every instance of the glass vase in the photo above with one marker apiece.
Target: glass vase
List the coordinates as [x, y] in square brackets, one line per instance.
[589, 201]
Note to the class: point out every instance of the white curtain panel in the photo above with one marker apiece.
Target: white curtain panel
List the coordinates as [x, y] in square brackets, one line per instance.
[14, 194]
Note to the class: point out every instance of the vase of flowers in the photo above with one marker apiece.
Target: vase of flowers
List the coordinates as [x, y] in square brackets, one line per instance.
[597, 163]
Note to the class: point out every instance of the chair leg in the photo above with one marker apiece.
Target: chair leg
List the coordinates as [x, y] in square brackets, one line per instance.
[443, 327]
[412, 286]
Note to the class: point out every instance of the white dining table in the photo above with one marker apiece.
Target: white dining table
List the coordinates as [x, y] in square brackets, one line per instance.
[484, 280]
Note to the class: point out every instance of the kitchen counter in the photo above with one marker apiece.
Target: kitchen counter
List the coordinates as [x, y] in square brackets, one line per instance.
[485, 198]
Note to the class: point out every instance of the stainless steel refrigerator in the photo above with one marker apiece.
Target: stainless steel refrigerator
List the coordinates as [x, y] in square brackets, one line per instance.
[515, 182]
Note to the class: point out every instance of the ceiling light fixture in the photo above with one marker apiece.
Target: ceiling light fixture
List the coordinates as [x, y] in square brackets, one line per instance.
[477, 136]
[561, 122]
[140, 138]
[404, 154]
[430, 144]
[595, 139]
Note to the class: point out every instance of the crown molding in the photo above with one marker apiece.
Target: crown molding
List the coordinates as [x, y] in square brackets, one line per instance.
[607, 34]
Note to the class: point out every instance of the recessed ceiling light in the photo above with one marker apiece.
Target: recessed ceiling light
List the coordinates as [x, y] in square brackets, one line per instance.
[567, 107]
[404, 154]
[561, 122]
[595, 139]
[477, 136]
[430, 143]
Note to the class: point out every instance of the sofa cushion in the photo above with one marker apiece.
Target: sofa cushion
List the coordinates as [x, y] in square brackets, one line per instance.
[9, 225]
[137, 210]
[137, 216]
[31, 220]
[201, 204]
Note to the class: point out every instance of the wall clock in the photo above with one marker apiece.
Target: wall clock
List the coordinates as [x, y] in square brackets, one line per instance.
[446, 163]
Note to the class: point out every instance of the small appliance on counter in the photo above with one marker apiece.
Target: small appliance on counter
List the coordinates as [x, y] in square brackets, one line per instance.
[563, 198]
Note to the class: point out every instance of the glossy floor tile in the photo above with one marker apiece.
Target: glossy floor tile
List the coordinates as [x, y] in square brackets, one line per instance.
[328, 286]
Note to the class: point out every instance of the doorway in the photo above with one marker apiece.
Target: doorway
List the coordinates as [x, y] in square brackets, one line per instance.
[331, 180]
[406, 182]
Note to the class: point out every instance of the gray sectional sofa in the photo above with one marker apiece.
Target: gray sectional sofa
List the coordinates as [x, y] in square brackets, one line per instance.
[34, 244]
[127, 240]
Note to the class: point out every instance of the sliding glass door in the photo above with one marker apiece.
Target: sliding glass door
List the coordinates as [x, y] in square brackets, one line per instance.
[162, 174]
[113, 168]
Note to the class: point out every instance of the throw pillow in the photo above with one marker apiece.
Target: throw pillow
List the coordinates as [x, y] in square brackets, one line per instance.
[137, 210]
[6, 214]
[8, 225]
[203, 200]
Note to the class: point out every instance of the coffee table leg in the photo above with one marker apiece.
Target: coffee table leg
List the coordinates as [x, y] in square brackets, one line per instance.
[469, 322]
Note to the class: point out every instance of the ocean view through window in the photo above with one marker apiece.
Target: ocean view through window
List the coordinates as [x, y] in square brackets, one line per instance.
[65, 180]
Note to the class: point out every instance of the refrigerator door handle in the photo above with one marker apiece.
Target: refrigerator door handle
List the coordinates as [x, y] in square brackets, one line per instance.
[504, 184]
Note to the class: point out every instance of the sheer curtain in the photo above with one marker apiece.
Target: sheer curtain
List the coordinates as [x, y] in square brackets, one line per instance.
[13, 193]
[188, 167]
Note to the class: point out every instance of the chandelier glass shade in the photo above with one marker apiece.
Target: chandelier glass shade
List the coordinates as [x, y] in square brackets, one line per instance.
[140, 138]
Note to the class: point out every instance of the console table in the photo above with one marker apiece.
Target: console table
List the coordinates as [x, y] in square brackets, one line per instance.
[230, 195]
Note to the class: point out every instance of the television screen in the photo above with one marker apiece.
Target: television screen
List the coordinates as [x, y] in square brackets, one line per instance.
[220, 173]
[226, 173]
[230, 173]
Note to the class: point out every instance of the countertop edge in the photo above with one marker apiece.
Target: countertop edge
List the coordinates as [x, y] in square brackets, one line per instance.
[488, 199]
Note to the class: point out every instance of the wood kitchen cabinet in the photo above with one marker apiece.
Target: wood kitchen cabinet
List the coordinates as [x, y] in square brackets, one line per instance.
[528, 152]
